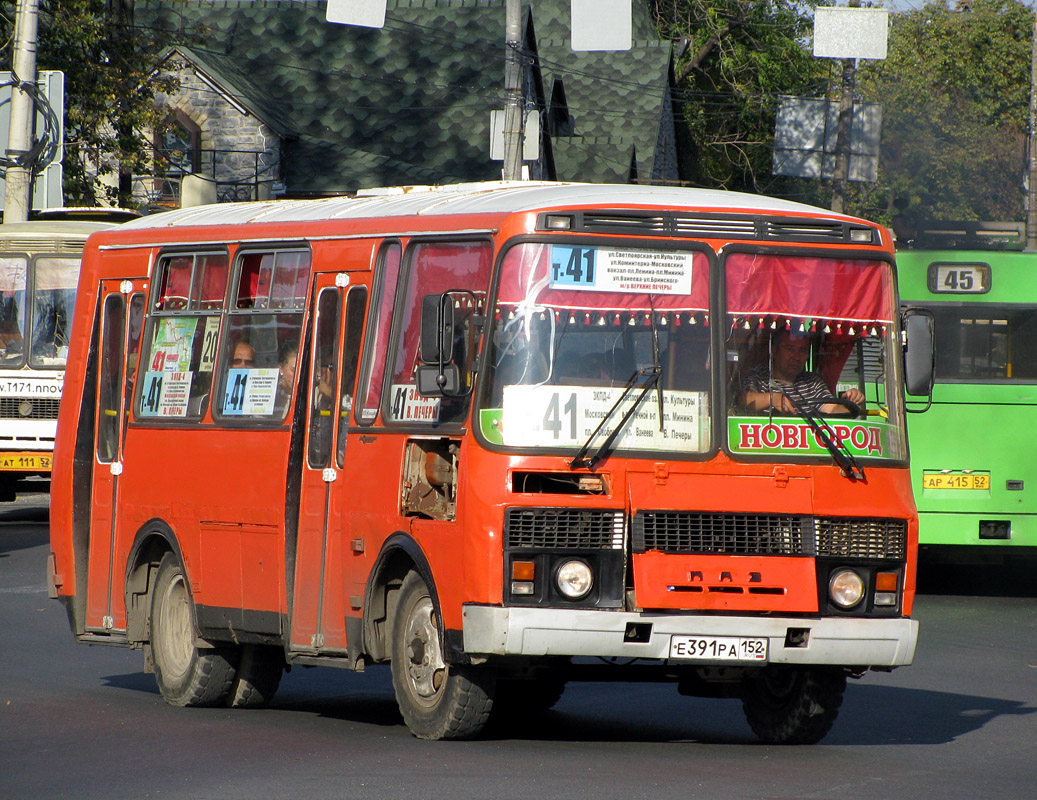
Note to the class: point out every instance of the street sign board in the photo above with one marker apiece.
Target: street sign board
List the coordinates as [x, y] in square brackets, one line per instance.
[805, 134]
[601, 24]
[365, 13]
[46, 189]
[850, 32]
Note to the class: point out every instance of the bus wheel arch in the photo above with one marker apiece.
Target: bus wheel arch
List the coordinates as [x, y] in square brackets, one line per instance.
[399, 556]
[154, 539]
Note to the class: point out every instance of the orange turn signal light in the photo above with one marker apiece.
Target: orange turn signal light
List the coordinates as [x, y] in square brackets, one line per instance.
[522, 570]
[886, 581]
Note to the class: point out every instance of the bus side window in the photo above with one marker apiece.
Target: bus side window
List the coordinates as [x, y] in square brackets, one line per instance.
[463, 269]
[110, 378]
[356, 307]
[136, 323]
[372, 370]
[257, 367]
[323, 377]
[177, 370]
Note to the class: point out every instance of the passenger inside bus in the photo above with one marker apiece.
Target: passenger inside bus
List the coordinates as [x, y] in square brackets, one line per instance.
[770, 384]
[286, 362]
[244, 355]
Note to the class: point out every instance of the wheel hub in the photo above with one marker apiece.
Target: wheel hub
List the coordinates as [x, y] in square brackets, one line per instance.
[426, 668]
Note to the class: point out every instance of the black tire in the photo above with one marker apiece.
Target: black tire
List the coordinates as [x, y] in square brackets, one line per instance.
[526, 697]
[187, 674]
[437, 700]
[789, 705]
[258, 675]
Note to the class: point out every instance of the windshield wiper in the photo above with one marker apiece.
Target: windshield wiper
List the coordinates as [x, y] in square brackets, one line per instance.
[850, 466]
[655, 362]
[643, 379]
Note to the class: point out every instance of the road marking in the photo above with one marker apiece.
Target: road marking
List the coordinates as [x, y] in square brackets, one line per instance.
[35, 589]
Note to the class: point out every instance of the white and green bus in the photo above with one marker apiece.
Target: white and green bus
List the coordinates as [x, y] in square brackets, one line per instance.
[39, 272]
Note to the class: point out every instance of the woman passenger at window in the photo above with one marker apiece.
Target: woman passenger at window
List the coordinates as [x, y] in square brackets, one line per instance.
[287, 359]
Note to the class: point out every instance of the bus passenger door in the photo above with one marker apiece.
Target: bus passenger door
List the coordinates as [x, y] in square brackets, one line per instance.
[122, 316]
[318, 605]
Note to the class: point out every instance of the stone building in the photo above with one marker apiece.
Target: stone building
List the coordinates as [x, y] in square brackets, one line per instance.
[276, 101]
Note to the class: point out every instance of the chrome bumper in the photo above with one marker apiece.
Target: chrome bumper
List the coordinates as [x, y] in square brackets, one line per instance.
[843, 641]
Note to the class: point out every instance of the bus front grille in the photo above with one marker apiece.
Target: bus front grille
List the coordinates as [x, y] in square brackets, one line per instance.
[855, 537]
[563, 528]
[29, 408]
[727, 534]
[687, 532]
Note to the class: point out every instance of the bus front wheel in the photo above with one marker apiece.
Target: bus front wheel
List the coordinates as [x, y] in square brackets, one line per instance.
[788, 705]
[187, 674]
[437, 700]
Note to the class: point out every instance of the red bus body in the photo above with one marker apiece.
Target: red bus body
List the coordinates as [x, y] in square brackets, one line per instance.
[715, 563]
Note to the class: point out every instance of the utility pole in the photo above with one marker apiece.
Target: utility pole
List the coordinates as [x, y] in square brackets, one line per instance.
[513, 97]
[18, 195]
[1031, 183]
[844, 131]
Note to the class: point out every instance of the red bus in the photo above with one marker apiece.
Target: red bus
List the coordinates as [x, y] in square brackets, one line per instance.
[498, 437]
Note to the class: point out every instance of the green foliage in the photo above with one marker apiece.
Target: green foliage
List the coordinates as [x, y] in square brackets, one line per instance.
[740, 56]
[110, 88]
[954, 90]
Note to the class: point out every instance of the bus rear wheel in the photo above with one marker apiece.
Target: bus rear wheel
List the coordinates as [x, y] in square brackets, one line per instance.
[788, 705]
[437, 700]
[257, 677]
[188, 674]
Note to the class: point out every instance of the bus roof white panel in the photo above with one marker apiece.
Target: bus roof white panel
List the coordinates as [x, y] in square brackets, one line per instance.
[471, 198]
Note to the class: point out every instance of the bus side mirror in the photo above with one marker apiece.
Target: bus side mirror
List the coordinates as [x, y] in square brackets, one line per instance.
[438, 375]
[437, 328]
[919, 350]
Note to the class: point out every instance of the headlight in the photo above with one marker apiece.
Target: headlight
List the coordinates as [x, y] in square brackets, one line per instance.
[846, 588]
[574, 579]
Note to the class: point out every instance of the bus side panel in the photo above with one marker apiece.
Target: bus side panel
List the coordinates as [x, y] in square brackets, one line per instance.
[228, 517]
[74, 445]
[959, 434]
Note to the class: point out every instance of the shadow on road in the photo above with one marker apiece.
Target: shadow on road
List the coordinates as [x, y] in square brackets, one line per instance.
[18, 528]
[1014, 578]
[870, 716]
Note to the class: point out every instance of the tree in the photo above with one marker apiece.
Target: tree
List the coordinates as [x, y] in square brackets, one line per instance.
[110, 89]
[954, 90]
[734, 59]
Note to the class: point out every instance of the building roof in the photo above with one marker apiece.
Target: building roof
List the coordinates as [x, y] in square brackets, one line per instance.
[411, 103]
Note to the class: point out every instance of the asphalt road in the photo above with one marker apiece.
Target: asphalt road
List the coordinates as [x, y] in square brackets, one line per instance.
[87, 722]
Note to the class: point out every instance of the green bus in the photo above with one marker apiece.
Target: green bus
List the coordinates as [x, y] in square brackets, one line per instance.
[973, 465]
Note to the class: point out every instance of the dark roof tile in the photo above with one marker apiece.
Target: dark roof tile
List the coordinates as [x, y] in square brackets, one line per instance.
[411, 103]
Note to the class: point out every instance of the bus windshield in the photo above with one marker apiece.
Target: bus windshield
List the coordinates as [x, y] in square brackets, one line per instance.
[36, 330]
[13, 278]
[808, 336]
[575, 325]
